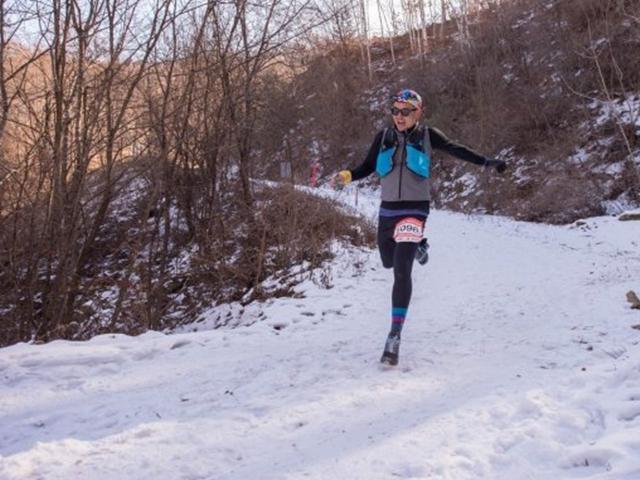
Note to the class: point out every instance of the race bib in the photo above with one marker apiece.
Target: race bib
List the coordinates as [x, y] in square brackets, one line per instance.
[408, 230]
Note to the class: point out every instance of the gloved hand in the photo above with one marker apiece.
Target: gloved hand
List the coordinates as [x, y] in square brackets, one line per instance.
[499, 165]
[343, 178]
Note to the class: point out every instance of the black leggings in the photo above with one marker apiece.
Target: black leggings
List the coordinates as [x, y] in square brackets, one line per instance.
[398, 256]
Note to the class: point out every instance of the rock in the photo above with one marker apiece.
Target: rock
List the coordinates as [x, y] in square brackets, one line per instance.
[633, 299]
[634, 215]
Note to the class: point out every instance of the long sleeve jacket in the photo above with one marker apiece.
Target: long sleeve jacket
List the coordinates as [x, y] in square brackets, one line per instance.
[402, 189]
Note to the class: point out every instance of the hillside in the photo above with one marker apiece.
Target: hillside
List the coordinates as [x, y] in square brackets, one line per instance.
[551, 87]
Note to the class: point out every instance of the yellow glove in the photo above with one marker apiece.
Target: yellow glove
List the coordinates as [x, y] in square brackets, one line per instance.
[345, 177]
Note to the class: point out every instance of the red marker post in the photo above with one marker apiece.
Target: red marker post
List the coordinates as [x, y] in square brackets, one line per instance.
[315, 167]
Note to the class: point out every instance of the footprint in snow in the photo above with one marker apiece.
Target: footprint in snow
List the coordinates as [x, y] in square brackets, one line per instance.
[180, 344]
[409, 471]
[146, 354]
[589, 458]
[72, 385]
[630, 413]
[143, 433]
[109, 371]
[337, 346]
[383, 367]
[334, 311]
[297, 425]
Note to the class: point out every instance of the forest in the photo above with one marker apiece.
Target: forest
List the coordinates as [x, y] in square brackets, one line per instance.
[139, 137]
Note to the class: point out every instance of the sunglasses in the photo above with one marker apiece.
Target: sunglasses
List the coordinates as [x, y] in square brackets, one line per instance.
[405, 112]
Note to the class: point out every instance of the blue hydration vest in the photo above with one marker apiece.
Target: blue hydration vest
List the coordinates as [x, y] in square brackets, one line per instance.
[418, 156]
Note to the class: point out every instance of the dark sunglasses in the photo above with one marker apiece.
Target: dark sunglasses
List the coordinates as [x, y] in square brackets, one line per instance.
[405, 112]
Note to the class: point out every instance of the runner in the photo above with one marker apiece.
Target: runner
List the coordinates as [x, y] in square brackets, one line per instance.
[401, 156]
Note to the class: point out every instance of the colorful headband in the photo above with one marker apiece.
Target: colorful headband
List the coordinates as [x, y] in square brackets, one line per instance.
[408, 96]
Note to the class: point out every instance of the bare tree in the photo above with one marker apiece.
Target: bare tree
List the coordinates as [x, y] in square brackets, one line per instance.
[423, 25]
[387, 19]
[78, 117]
[246, 40]
[14, 65]
[362, 20]
[443, 16]
[159, 95]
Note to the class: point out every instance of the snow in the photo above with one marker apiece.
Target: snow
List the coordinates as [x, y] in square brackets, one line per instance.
[509, 77]
[580, 156]
[518, 361]
[524, 21]
[625, 110]
[618, 206]
[468, 182]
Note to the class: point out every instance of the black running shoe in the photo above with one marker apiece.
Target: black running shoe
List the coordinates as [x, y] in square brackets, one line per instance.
[391, 350]
[422, 255]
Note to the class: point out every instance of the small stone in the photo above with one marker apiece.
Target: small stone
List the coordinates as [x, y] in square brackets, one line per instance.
[626, 216]
[633, 299]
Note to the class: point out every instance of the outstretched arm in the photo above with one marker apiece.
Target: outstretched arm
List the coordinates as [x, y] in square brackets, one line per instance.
[367, 167]
[440, 142]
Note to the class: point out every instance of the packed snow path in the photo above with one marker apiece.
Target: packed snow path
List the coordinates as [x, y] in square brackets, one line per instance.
[518, 361]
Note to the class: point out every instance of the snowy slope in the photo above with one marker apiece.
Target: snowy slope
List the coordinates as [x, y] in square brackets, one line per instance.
[518, 362]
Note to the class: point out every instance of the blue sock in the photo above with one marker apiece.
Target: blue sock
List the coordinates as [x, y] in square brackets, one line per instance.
[398, 315]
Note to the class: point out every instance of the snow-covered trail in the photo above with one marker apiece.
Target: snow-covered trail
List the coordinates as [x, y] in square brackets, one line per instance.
[518, 362]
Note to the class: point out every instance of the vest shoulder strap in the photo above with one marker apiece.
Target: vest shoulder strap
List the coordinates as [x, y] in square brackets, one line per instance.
[426, 140]
[389, 138]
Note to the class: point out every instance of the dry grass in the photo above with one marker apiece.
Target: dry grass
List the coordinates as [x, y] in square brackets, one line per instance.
[285, 239]
[289, 228]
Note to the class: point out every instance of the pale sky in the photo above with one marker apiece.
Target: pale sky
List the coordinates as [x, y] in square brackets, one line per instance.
[374, 17]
